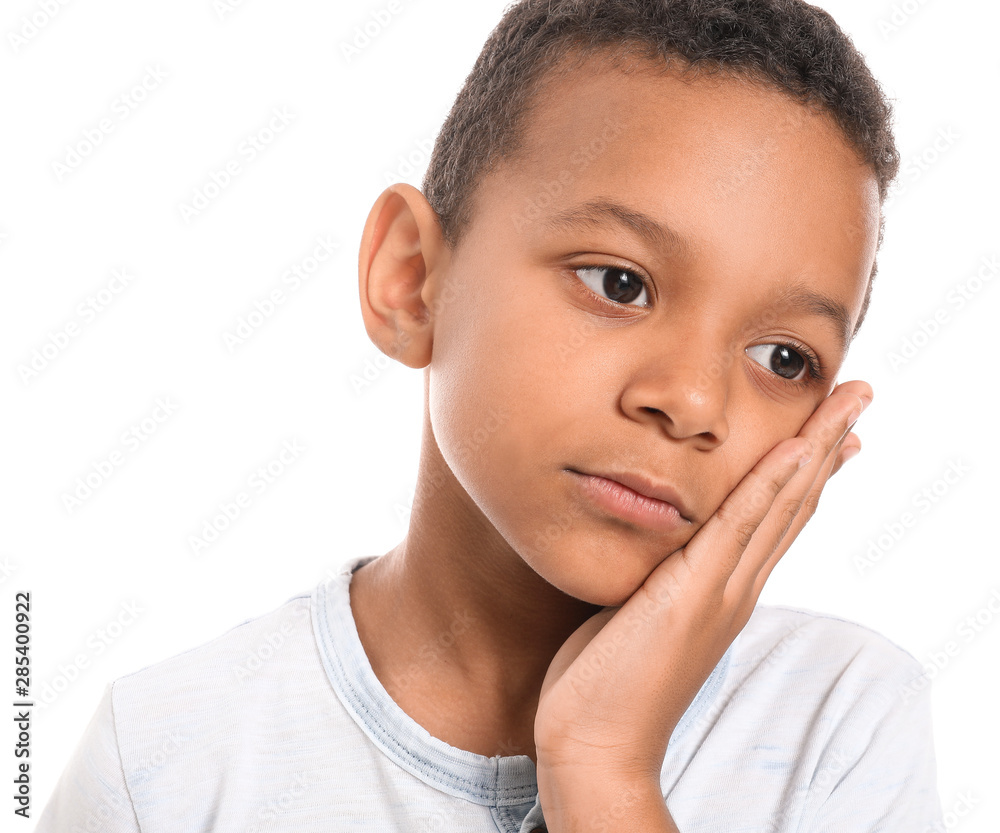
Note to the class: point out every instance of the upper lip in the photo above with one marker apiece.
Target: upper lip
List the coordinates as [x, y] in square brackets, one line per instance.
[647, 486]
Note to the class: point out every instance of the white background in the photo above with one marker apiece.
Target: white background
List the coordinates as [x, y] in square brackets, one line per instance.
[354, 127]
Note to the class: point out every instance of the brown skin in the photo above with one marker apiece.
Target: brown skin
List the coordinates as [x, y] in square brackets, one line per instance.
[766, 193]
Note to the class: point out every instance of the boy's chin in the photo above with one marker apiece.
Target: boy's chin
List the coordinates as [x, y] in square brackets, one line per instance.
[605, 582]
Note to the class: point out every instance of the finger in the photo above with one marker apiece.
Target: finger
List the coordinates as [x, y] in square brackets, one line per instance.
[826, 429]
[717, 547]
[858, 387]
[849, 445]
[849, 448]
[796, 519]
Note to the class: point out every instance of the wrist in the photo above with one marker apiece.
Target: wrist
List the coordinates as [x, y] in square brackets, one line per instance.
[588, 799]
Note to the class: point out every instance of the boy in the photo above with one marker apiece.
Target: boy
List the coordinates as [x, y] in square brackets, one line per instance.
[645, 241]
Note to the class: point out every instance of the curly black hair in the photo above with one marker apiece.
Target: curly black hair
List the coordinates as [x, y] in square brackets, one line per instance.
[788, 45]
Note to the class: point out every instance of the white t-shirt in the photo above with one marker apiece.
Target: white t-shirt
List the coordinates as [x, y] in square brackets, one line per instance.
[808, 723]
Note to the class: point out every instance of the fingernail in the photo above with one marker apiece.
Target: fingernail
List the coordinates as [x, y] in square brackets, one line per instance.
[805, 457]
[849, 452]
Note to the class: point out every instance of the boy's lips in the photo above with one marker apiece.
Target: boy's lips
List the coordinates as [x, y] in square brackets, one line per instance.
[636, 497]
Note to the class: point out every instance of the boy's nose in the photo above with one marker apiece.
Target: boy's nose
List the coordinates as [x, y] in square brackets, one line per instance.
[684, 397]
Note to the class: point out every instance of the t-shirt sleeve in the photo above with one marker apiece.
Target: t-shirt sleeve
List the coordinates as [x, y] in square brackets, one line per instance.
[91, 793]
[887, 781]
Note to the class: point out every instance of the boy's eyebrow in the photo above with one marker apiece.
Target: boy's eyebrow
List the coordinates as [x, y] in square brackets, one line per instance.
[796, 297]
[802, 298]
[594, 212]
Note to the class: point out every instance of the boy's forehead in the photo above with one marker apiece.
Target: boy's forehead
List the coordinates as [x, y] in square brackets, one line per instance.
[712, 156]
[602, 108]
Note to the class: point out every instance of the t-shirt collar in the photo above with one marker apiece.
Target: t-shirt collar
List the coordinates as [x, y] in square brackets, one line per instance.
[503, 780]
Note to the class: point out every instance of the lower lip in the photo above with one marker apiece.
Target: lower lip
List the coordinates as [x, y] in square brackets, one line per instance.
[611, 495]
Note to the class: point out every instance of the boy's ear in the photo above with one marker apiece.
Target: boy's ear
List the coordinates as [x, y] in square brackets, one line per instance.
[402, 257]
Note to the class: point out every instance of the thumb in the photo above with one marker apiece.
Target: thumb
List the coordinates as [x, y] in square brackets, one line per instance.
[575, 645]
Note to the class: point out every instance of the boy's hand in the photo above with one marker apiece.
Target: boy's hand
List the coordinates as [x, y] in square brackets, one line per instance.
[617, 688]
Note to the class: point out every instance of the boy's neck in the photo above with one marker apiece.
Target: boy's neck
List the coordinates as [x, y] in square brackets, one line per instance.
[457, 627]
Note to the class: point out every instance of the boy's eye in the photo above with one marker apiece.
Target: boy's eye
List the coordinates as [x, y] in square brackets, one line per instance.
[780, 359]
[619, 285]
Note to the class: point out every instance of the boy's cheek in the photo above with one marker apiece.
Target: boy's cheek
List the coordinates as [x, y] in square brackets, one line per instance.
[790, 421]
[759, 440]
[809, 411]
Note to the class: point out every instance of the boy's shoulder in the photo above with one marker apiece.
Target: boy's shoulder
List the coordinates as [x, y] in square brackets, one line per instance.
[234, 657]
[219, 689]
[797, 639]
[819, 683]
[248, 657]
[219, 705]
[213, 729]
[769, 621]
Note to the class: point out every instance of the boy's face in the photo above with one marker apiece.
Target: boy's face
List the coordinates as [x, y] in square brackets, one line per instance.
[701, 366]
